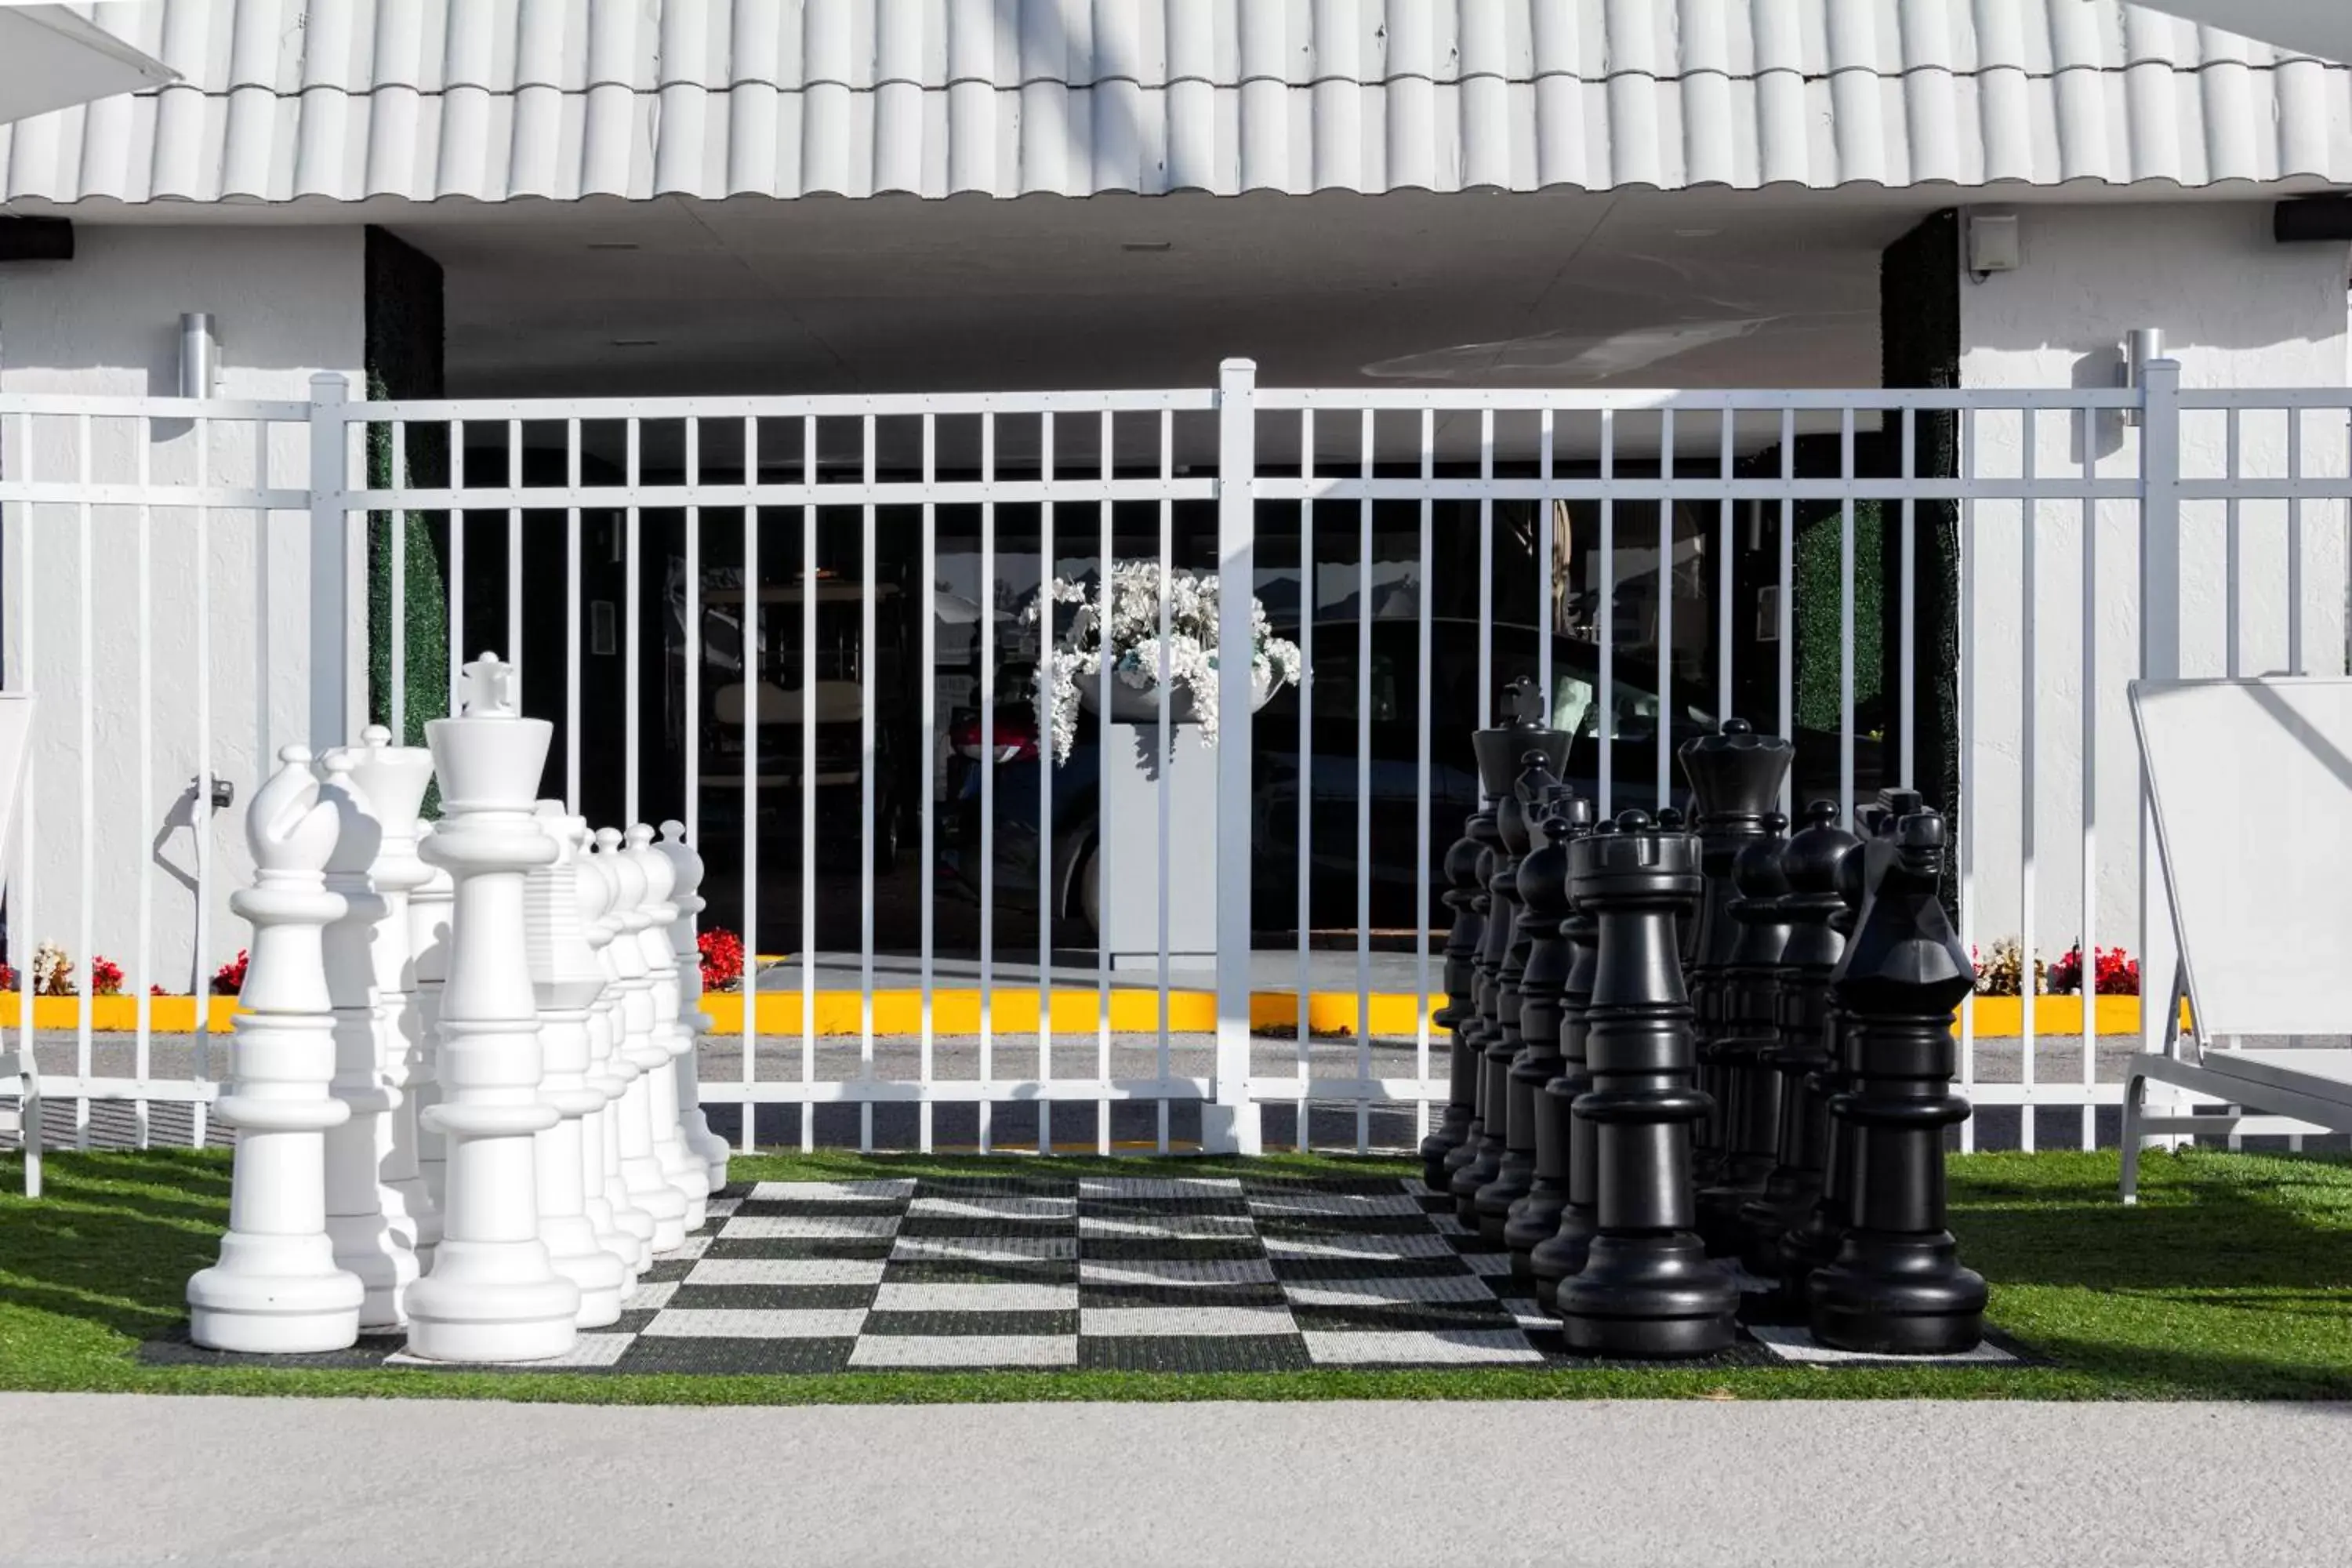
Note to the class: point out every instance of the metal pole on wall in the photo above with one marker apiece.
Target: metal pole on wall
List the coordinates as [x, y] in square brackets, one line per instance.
[1229, 1122]
[2159, 659]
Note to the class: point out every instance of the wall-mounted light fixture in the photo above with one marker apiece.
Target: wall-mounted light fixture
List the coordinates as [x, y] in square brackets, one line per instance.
[199, 355]
[1991, 243]
[2142, 344]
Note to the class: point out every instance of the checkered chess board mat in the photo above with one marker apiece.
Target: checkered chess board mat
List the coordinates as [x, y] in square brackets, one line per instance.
[1188, 1274]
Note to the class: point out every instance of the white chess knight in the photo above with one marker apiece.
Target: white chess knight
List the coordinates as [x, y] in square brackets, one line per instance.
[493, 1294]
[566, 980]
[649, 1185]
[277, 1288]
[366, 1241]
[393, 780]
[623, 1227]
[693, 1126]
[684, 1169]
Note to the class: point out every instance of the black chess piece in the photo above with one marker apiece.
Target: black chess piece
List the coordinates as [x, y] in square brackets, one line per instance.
[1647, 1287]
[1462, 941]
[1749, 990]
[1533, 1211]
[1813, 1244]
[1500, 751]
[1554, 1258]
[1735, 777]
[1552, 969]
[1485, 965]
[1801, 1054]
[1898, 1287]
[1515, 1170]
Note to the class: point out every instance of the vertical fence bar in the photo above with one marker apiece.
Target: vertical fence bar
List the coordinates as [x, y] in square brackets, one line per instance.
[2159, 659]
[1607, 700]
[143, 961]
[2295, 651]
[1236, 1123]
[1364, 759]
[1307, 605]
[1421, 781]
[1103, 564]
[200, 813]
[514, 550]
[397, 529]
[2028, 823]
[87, 688]
[747, 670]
[1845, 615]
[396, 548]
[808, 943]
[2233, 563]
[869, 570]
[930, 718]
[1545, 544]
[21, 916]
[1905, 675]
[632, 582]
[332, 670]
[1165, 679]
[1045, 577]
[2087, 942]
[987, 616]
[1485, 566]
[1784, 639]
[1964, 699]
[1666, 612]
[692, 671]
[572, 589]
[1726, 462]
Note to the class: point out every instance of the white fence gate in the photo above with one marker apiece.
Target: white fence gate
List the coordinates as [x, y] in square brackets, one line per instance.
[651, 564]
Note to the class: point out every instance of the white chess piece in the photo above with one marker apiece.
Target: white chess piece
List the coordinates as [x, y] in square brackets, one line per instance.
[684, 1169]
[492, 1295]
[428, 947]
[394, 779]
[275, 1289]
[565, 979]
[648, 1185]
[624, 1232]
[366, 1240]
[693, 1126]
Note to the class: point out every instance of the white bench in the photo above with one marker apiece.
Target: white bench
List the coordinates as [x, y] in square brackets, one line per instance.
[2251, 782]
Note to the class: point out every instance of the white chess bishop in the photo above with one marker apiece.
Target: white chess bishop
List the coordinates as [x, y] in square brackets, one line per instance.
[393, 780]
[683, 1169]
[566, 980]
[277, 1288]
[493, 1294]
[693, 1128]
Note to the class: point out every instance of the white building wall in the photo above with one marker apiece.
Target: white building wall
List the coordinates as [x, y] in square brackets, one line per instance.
[287, 303]
[2237, 309]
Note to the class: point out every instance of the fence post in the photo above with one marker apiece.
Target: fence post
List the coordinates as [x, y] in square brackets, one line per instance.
[2159, 659]
[338, 679]
[1229, 1121]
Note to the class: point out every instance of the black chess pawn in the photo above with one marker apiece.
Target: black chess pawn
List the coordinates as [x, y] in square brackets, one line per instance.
[1897, 1286]
[1500, 752]
[1551, 1020]
[1485, 965]
[1462, 941]
[1735, 777]
[1647, 1287]
[1750, 988]
[1508, 1054]
[1800, 1054]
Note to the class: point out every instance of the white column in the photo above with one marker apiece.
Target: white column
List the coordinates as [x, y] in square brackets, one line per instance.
[625, 1231]
[275, 1289]
[564, 979]
[394, 779]
[648, 1187]
[365, 1240]
[686, 893]
[428, 939]
[684, 1169]
[492, 1295]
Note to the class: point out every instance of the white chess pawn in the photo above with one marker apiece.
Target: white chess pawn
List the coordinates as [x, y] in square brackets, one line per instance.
[275, 1289]
[693, 1126]
[565, 979]
[685, 1170]
[394, 779]
[366, 1241]
[428, 946]
[649, 1185]
[492, 1295]
[622, 1229]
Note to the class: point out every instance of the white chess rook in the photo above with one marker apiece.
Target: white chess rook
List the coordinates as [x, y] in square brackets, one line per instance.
[366, 1240]
[649, 1185]
[623, 1227]
[275, 1289]
[565, 981]
[693, 1126]
[394, 779]
[682, 1167]
[492, 1295]
[428, 939]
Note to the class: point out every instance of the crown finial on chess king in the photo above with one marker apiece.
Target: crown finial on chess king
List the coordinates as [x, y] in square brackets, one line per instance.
[489, 689]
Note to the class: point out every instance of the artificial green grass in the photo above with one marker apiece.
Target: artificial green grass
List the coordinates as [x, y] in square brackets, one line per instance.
[2231, 1280]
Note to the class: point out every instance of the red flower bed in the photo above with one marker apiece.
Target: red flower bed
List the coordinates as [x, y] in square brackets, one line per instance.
[228, 980]
[722, 958]
[2114, 972]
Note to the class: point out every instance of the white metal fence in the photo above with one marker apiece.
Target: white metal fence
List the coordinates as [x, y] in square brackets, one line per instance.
[189, 587]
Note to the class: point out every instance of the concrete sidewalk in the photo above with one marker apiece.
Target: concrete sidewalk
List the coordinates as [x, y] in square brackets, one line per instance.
[135, 1480]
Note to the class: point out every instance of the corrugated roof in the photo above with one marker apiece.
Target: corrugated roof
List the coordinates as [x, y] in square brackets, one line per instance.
[494, 100]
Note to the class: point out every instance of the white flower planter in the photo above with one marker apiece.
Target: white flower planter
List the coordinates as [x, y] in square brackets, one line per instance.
[1140, 705]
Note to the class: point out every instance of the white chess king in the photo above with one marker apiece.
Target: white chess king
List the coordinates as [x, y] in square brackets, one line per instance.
[275, 1289]
[493, 1294]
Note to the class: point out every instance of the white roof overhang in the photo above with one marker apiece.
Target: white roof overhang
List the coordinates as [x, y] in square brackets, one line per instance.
[51, 58]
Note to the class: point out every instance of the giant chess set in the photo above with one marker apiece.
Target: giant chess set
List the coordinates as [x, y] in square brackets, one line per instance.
[1700, 1093]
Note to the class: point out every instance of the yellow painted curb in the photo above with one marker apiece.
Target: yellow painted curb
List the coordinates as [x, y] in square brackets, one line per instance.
[165, 1015]
[2000, 1017]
